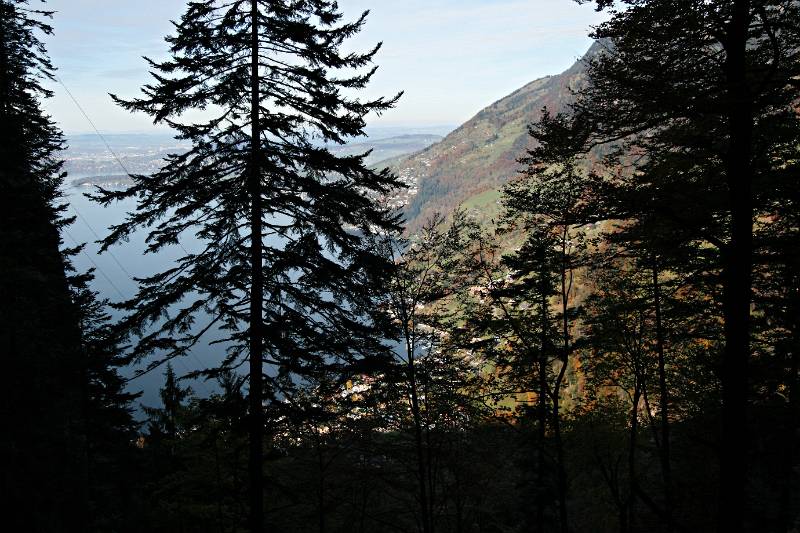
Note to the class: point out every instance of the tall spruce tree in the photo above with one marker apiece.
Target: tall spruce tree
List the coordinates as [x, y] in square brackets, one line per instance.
[43, 441]
[109, 425]
[508, 319]
[552, 201]
[705, 94]
[286, 264]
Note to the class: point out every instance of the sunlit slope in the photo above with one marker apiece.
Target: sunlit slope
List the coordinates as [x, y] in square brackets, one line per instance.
[481, 155]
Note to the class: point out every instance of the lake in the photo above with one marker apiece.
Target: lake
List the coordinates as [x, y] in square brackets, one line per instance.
[113, 280]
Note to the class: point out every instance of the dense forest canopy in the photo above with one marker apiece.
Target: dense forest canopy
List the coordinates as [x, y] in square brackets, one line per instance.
[602, 337]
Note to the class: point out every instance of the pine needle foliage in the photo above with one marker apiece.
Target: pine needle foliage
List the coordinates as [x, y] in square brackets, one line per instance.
[288, 266]
[319, 212]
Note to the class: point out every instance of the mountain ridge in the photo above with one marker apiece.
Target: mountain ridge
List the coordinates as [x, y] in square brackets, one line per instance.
[481, 155]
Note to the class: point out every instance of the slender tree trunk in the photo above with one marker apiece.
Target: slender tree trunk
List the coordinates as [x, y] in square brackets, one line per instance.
[418, 440]
[321, 485]
[459, 508]
[256, 295]
[562, 474]
[736, 278]
[788, 500]
[542, 413]
[429, 469]
[623, 520]
[540, 467]
[666, 469]
[5, 100]
[363, 511]
[5, 89]
[631, 511]
[219, 492]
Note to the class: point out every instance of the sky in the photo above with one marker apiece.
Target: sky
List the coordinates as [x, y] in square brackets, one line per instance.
[451, 57]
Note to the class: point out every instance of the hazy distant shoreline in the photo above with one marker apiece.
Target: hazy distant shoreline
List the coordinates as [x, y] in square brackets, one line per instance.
[94, 164]
[114, 180]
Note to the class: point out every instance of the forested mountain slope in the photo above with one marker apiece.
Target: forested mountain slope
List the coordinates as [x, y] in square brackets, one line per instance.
[474, 160]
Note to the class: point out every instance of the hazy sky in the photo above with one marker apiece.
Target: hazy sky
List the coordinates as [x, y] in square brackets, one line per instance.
[452, 57]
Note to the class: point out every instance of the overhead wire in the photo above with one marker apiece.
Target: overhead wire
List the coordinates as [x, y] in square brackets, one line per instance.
[97, 131]
[91, 123]
[116, 288]
[92, 230]
[94, 264]
[109, 252]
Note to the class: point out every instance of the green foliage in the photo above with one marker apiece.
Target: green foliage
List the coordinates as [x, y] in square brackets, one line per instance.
[620, 353]
[699, 98]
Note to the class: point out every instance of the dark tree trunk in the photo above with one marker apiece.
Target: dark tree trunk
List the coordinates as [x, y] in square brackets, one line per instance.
[419, 443]
[321, 486]
[256, 296]
[542, 414]
[562, 474]
[429, 471]
[632, 482]
[788, 499]
[736, 278]
[219, 491]
[664, 451]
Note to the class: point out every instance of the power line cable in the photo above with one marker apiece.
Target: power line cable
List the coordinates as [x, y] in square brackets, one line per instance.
[91, 123]
[97, 267]
[108, 279]
[105, 142]
[114, 154]
[116, 288]
[109, 252]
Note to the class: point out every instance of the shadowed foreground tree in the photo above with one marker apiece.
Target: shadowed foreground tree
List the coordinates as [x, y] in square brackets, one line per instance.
[68, 429]
[286, 267]
[552, 202]
[705, 94]
[108, 412]
[434, 389]
[43, 443]
[622, 369]
[508, 321]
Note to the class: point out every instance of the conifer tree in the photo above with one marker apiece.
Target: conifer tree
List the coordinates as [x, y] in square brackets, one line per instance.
[704, 93]
[167, 420]
[43, 444]
[286, 264]
[430, 377]
[552, 201]
[509, 320]
[109, 424]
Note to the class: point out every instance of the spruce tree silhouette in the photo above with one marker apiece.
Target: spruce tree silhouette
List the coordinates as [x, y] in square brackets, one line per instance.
[552, 201]
[287, 265]
[44, 441]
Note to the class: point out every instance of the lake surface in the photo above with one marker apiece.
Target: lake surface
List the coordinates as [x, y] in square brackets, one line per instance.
[113, 280]
[115, 271]
[88, 156]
